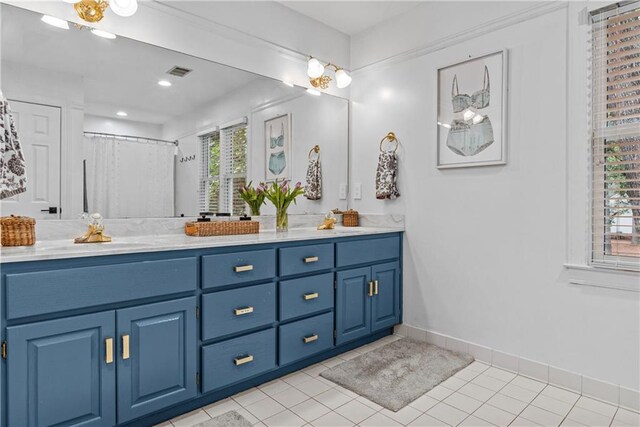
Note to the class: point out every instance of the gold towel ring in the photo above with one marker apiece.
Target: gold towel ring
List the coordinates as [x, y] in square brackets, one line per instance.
[392, 138]
[315, 149]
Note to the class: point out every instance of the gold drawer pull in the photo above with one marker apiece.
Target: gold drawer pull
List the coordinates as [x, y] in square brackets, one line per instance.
[311, 296]
[375, 287]
[108, 350]
[311, 259]
[312, 338]
[241, 311]
[125, 347]
[241, 268]
[370, 289]
[242, 360]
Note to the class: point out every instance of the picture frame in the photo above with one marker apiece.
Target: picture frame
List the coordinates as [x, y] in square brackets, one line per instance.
[472, 97]
[278, 148]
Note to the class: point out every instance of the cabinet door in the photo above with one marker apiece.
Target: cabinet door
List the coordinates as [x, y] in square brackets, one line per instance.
[58, 372]
[156, 356]
[353, 305]
[385, 304]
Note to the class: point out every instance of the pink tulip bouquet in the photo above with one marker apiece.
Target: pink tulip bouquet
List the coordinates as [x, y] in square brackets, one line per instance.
[281, 195]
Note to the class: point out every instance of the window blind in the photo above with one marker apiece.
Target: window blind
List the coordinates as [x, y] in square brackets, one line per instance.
[233, 167]
[615, 136]
[224, 168]
[210, 172]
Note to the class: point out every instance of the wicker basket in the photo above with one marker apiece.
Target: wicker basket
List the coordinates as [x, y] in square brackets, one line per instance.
[18, 231]
[350, 218]
[221, 228]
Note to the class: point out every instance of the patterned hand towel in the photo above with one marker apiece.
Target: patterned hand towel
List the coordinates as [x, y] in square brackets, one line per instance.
[13, 178]
[386, 176]
[313, 189]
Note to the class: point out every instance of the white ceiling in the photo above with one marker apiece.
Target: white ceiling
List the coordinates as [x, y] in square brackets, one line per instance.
[120, 74]
[351, 17]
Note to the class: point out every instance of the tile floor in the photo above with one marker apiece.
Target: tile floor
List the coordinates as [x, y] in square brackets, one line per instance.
[479, 395]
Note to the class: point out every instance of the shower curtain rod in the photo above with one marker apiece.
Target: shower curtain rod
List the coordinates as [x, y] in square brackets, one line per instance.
[138, 138]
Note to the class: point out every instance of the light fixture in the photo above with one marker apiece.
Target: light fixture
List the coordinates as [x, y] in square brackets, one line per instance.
[314, 68]
[124, 7]
[93, 10]
[164, 83]
[103, 34]
[56, 22]
[319, 80]
[343, 79]
[314, 92]
[122, 114]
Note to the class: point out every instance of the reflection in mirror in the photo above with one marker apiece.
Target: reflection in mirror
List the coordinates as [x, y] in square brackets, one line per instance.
[127, 129]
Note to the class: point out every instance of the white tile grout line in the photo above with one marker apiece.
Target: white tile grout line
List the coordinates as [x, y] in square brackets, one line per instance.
[363, 350]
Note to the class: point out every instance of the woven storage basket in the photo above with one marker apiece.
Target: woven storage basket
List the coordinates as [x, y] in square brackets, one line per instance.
[350, 218]
[221, 228]
[18, 231]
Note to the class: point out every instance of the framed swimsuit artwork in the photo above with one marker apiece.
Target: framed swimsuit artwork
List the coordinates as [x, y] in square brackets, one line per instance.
[277, 135]
[472, 112]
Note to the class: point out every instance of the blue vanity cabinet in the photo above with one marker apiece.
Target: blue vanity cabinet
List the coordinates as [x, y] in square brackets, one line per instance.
[353, 305]
[136, 339]
[368, 298]
[157, 357]
[385, 303]
[62, 372]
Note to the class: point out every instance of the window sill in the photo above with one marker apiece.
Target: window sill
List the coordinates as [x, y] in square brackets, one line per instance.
[601, 277]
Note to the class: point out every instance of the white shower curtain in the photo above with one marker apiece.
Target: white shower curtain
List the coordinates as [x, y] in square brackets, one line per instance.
[130, 179]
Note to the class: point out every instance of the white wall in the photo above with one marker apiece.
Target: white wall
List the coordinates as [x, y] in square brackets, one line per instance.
[315, 120]
[485, 247]
[121, 127]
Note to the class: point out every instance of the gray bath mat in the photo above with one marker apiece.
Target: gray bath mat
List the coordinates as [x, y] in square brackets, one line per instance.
[398, 373]
[228, 419]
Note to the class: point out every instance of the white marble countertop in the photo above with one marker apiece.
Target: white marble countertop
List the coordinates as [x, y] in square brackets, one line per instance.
[59, 249]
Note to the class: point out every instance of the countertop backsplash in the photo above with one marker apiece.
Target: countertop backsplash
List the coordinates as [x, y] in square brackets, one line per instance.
[69, 229]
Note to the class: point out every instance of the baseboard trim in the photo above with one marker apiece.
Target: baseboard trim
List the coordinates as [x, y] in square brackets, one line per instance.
[573, 381]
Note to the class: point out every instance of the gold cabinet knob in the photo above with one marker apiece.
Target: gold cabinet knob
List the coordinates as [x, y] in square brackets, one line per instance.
[313, 295]
[125, 347]
[311, 259]
[241, 268]
[242, 360]
[311, 338]
[244, 310]
[108, 350]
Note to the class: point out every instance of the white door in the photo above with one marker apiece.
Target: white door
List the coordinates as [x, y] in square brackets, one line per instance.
[38, 128]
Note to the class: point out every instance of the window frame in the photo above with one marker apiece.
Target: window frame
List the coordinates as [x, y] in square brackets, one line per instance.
[226, 190]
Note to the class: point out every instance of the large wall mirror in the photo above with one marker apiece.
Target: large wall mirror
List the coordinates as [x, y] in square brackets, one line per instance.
[131, 130]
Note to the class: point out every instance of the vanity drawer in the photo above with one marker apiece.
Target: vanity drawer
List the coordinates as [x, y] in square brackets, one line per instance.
[238, 267]
[306, 259]
[237, 359]
[36, 293]
[305, 338]
[237, 310]
[305, 295]
[367, 251]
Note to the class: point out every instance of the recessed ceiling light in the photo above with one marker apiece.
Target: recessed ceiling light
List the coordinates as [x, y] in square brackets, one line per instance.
[56, 22]
[122, 114]
[165, 83]
[313, 92]
[103, 34]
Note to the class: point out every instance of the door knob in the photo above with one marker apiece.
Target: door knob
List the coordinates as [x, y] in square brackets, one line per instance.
[51, 210]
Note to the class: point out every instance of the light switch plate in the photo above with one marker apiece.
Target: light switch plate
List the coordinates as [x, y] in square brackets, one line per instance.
[342, 194]
[357, 191]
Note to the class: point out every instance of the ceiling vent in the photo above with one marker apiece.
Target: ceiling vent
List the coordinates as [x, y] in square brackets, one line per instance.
[179, 71]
